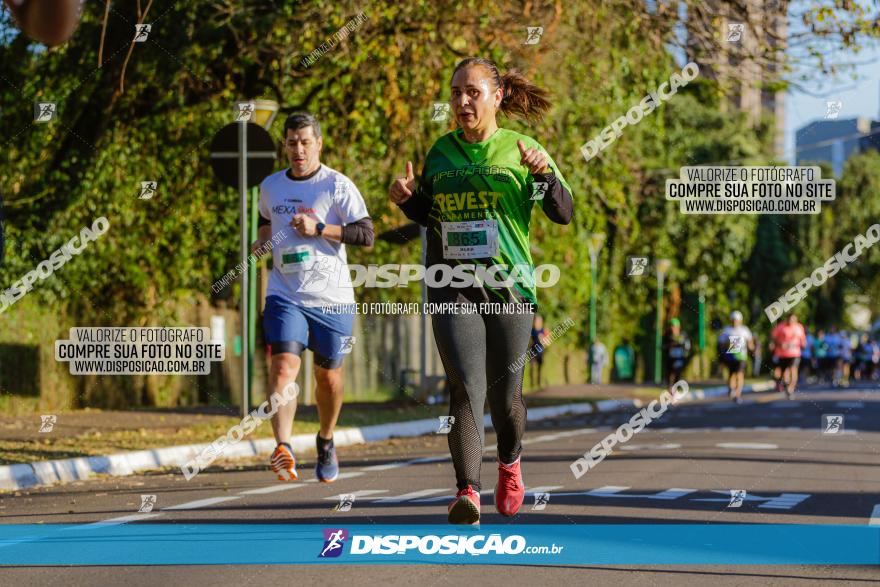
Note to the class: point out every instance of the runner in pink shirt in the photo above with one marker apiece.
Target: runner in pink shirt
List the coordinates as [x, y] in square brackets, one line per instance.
[789, 340]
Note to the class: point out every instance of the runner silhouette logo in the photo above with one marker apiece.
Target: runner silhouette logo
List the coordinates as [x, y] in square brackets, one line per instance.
[832, 423]
[334, 542]
[636, 266]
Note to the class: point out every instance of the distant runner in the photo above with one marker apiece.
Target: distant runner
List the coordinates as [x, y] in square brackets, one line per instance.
[788, 342]
[676, 351]
[734, 344]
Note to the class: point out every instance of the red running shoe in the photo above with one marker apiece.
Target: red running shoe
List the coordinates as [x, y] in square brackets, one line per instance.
[510, 491]
[465, 509]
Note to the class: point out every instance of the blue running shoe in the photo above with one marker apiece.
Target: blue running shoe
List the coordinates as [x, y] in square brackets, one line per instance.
[327, 467]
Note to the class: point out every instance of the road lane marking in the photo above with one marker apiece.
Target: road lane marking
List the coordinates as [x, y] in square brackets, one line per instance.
[200, 503]
[875, 516]
[783, 501]
[614, 491]
[272, 489]
[748, 445]
[543, 489]
[117, 521]
[669, 446]
[411, 495]
[360, 494]
[399, 464]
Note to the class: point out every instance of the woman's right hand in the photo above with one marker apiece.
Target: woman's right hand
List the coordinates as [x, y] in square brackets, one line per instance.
[402, 188]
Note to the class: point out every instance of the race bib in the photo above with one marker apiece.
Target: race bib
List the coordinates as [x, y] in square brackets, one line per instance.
[476, 239]
[296, 259]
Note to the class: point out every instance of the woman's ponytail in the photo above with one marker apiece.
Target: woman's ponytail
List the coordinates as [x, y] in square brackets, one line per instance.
[523, 98]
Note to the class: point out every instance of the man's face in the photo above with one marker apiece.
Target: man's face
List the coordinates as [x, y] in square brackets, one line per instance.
[303, 150]
[473, 100]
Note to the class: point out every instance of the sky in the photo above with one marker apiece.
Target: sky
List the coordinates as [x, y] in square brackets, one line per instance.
[860, 97]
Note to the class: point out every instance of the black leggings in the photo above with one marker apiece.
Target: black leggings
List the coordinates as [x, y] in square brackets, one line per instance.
[477, 351]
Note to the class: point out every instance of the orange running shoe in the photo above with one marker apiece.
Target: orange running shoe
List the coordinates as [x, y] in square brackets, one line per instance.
[283, 463]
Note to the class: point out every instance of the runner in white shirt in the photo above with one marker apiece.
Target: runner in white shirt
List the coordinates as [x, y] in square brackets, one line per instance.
[734, 342]
[309, 212]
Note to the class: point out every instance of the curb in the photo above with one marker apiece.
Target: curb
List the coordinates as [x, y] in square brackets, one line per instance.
[25, 475]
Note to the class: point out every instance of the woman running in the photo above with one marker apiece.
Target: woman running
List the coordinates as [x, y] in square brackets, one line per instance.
[475, 197]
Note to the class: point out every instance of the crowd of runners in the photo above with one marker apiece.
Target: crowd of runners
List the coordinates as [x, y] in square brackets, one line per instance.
[797, 356]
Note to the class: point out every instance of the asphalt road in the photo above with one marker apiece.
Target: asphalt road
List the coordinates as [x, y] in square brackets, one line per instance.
[681, 468]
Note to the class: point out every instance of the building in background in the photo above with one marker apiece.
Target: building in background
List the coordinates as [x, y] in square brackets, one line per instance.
[835, 141]
[753, 37]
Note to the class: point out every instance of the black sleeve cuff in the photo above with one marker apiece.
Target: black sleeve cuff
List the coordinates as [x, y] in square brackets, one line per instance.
[358, 233]
[557, 202]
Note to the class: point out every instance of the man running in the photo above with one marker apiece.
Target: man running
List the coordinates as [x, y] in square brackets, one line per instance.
[475, 196]
[832, 340]
[310, 212]
[734, 343]
[788, 342]
[676, 350]
[845, 343]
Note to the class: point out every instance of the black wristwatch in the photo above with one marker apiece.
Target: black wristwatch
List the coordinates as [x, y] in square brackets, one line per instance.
[320, 228]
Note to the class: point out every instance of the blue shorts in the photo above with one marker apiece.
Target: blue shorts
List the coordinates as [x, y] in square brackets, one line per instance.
[290, 328]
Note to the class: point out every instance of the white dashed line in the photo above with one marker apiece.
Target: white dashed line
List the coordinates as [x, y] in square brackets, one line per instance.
[272, 489]
[412, 495]
[200, 503]
[748, 445]
[360, 494]
[543, 489]
[669, 446]
[117, 521]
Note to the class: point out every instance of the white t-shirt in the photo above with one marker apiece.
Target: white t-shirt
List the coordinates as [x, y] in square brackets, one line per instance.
[310, 271]
[740, 330]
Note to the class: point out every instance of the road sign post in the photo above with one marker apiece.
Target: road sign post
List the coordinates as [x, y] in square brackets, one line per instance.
[254, 151]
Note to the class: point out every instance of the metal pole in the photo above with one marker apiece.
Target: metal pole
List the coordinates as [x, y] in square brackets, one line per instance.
[243, 201]
[702, 329]
[423, 320]
[657, 337]
[593, 272]
[593, 279]
[252, 291]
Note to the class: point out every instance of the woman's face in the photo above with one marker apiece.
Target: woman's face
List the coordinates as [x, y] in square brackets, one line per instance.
[473, 101]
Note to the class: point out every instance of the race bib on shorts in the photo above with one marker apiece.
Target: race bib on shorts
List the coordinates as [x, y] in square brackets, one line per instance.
[477, 239]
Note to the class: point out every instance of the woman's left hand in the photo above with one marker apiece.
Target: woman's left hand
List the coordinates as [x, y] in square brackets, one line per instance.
[532, 158]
